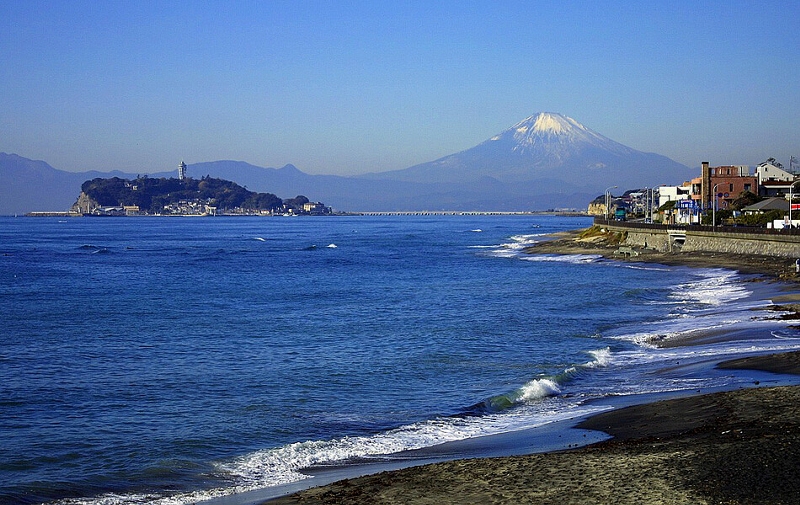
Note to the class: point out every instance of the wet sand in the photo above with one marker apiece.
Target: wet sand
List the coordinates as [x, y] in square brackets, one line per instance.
[738, 447]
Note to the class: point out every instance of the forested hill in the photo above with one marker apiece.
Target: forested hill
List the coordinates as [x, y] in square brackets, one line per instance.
[153, 195]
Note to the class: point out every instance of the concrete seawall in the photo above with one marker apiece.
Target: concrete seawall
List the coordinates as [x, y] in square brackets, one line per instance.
[696, 238]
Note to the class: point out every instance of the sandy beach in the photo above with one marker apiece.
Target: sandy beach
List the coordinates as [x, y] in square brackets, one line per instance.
[738, 447]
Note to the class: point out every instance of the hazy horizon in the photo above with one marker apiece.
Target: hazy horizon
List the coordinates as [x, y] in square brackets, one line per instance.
[346, 89]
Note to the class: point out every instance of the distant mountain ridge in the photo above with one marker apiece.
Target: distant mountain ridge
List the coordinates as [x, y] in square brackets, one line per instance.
[28, 185]
[547, 160]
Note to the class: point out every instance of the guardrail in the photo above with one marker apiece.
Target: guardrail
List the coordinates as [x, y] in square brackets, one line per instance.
[751, 230]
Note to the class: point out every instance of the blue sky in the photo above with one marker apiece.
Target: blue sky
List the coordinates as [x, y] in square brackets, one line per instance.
[353, 87]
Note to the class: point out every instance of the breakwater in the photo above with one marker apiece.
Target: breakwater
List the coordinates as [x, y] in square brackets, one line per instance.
[724, 239]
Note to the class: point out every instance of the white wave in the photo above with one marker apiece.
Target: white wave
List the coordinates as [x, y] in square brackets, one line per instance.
[712, 301]
[602, 357]
[155, 499]
[653, 333]
[504, 253]
[477, 230]
[285, 462]
[641, 266]
[711, 288]
[643, 370]
[513, 248]
[538, 389]
[563, 258]
[783, 335]
[332, 246]
[544, 387]
[716, 351]
[282, 465]
[260, 239]
[687, 326]
[526, 239]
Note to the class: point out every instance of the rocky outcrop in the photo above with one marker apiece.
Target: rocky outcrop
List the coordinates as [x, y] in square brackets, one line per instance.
[84, 204]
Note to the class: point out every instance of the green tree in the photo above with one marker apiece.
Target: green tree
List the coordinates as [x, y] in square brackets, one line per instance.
[745, 198]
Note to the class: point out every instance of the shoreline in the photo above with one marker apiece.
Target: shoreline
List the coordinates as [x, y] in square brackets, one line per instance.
[606, 244]
[734, 447]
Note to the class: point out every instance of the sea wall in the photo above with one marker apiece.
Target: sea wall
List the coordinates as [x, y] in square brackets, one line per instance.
[697, 238]
[658, 240]
[767, 245]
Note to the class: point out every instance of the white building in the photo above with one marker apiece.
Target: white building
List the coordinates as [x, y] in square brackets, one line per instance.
[772, 171]
[773, 180]
[668, 194]
[685, 210]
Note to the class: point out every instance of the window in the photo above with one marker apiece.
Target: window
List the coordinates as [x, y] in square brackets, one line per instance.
[747, 187]
[731, 188]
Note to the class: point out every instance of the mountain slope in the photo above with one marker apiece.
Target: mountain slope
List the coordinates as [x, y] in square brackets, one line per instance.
[549, 146]
[28, 185]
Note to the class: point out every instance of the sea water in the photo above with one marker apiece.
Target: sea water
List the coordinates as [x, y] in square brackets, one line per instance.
[171, 360]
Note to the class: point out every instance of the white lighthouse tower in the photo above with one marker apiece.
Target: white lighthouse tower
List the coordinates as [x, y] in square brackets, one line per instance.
[182, 171]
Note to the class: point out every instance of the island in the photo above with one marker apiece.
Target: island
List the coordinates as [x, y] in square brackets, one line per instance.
[186, 196]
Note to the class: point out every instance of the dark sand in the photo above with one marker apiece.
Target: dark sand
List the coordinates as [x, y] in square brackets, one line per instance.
[739, 447]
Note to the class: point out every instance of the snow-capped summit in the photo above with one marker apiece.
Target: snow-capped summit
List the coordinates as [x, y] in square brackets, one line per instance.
[550, 134]
[545, 123]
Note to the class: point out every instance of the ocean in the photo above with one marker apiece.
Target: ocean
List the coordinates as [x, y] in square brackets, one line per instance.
[176, 360]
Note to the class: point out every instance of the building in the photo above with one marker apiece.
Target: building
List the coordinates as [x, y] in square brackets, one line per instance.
[684, 209]
[182, 171]
[315, 208]
[773, 180]
[771, 170]
[767, 205]
[718, 187]
[668, 194]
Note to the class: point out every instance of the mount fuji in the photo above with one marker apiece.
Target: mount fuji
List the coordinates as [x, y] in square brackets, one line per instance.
[548, 152]
[545, 161]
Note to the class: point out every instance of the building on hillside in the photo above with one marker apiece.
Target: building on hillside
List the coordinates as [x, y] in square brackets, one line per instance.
[182, 171]
[315, 208]
[718, 187]
[597, 207]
